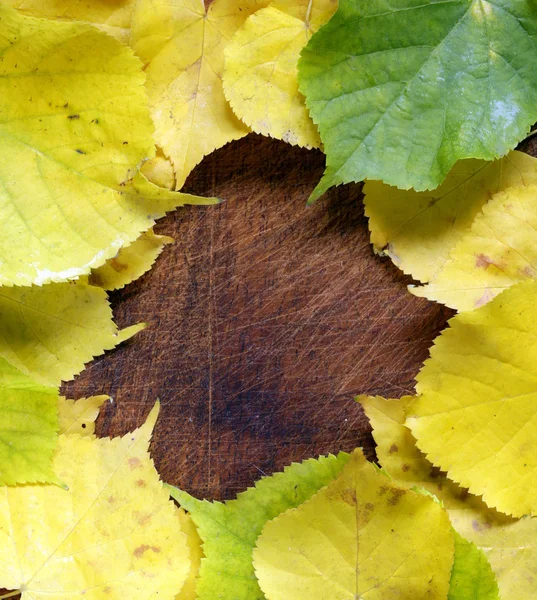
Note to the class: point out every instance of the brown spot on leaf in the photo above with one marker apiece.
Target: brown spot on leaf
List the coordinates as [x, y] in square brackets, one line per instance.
[141, 550]
[405, 468]
[349, 496]
[527, 271]
[134, 462]
[482, 261]
[141, 483]
[117, 265]
[383, 489]
[393, 448]
[396, 496]
[369, 506]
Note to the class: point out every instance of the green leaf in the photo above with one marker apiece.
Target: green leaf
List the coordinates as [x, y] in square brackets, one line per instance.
[229, 531]
[28, 428]
[472, 577]
[401, 90]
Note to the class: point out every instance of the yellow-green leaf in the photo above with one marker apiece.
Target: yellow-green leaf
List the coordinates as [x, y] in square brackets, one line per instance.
[418, 230]
[475, 415]
[510, 545]
[131, 262]
[78, 416]
[499, 250]
[113, 534]
[75, 129]
[182, 47]
[360, 536]
[188, 591]
[28, 428]
[50, 332]
[113, 17]
[260, 76]
[471, 576]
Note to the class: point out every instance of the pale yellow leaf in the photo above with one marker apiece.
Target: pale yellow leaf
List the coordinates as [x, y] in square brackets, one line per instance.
[260, 76]
[112, 16]
[78, 416]
[131, 262]
[418, 230]
[188, 592]
[475, 415]
[182, 47]
[509, 544]
[74, 132]
[113, 534]
[499, 250]
[51, 332]
[359, 537]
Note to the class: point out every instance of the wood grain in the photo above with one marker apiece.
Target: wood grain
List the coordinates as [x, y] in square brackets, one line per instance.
[264, 320]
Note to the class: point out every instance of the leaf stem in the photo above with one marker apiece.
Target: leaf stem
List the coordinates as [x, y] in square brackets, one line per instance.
[530, 135]
[10, 595]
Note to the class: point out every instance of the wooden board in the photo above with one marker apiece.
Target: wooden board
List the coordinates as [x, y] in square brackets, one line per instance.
[264, 320]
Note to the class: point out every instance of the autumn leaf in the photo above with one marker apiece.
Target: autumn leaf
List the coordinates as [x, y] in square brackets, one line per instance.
[418, 230]
[402, 91]
[475, 413]
[74, 132]
[471, 576]
[182, 47]
[498, 251]
[510, 545]
[359, 536]
[78, 416]
[188, 591]
[131, 262]
[28, 428]
[229, 531]
[260, 76]
[112, 534]
[111, 17]
[50, 332]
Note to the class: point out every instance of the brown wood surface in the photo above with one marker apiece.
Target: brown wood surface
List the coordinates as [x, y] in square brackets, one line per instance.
[265, 319]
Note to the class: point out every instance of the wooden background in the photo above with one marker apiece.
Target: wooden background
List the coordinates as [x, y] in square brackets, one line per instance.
[265, 319]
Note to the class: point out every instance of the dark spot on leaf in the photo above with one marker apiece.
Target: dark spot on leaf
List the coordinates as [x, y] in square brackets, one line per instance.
[393, 448]
[369, 506]
[396, 496]
[141, 483]
[84, 425]
[71, 117]
[141, 550]
[405, 468]
[482, 261]
[78, 151]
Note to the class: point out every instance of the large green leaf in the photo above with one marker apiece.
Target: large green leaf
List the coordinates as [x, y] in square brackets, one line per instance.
[229, 531]
[402, 89]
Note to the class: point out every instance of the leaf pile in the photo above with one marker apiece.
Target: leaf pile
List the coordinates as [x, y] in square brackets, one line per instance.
[106, 108]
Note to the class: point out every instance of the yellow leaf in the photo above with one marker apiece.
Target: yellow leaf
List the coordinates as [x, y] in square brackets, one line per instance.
[358, 537]
[182, 48]
[131, 262]
[78, 416]
[113, 534]
[499, 250]
[28, 428]
[260, 76]
[113, 17]
[188, 592]
[510, 545]
[418, 230]
[476, 412]
[50, 332]
[75, 129]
